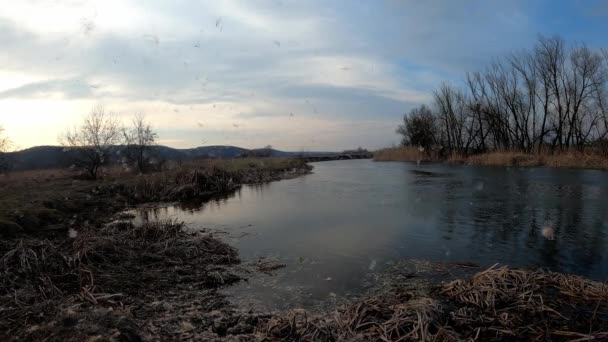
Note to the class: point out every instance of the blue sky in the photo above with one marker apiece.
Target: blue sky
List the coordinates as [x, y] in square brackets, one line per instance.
[299, 75]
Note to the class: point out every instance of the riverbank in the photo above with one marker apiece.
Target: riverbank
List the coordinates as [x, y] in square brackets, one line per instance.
[571, 159]
[49, 202]
[160, 281]
[108, 283]
[73, 267]
[498, 304]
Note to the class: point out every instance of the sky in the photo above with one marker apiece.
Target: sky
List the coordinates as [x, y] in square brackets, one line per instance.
[297, 75]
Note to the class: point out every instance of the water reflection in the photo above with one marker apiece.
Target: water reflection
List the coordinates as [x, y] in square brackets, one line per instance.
[329, 227]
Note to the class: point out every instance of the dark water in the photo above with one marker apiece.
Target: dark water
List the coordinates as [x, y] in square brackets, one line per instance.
[352, 218]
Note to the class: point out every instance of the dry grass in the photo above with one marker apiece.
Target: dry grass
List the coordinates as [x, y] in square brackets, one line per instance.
[196, 180]
[128, 282]
[32, 177]
[404, 154]
[50, 201]
[494, 305]
[117, 281]
[568, 159]
[119, 266]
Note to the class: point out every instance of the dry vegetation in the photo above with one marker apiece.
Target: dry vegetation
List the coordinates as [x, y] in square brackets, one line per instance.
[59, 289]
[568, 159]
[404, 153]
[572, 159]
[51, 201]
[68, 273]
[159, 281]
[494, 305]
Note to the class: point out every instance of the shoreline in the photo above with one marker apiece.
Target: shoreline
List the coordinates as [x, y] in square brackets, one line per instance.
[161, 281]
[566, 160]
[74, 267]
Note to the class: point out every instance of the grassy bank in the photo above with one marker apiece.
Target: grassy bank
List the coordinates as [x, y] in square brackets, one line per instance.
[52, 201]
[72, 267]
[568, 159]
[105, 283]
[572, 160]
[159, 281]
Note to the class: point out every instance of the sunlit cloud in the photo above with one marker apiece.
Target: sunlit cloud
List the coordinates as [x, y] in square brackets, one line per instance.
[296, 75]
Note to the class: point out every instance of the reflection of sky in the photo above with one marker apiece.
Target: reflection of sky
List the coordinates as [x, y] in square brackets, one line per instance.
[350, 214]
[346, 71]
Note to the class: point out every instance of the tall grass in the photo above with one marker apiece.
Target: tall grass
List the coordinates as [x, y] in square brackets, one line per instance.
[406, 154]
[567, 159]
[498, 304]
[198, 180]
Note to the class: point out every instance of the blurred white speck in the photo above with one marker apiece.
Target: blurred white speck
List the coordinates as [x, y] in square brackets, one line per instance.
[372, 265]
[328, 279]
[479, 186]
[72, 233]
[548, 232]
[152, 39]
[331, 294]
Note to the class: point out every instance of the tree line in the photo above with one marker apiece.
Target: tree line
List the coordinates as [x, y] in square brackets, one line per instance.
[550, 97]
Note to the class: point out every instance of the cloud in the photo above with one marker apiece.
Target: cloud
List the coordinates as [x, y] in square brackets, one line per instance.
[280, 69]
[66, 88]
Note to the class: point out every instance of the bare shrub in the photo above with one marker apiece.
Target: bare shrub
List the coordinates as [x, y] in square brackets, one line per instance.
[93, 140]
[139, 140]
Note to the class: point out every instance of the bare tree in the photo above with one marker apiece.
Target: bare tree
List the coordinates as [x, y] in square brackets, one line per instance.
[4, 147]
[93, 140]
[552, 96]
[139, 139]
[419, 128]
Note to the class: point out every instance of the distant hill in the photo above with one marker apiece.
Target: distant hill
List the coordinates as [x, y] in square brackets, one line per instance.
[44, 157]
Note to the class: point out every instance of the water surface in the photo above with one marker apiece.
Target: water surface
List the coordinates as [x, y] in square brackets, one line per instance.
[352, 218]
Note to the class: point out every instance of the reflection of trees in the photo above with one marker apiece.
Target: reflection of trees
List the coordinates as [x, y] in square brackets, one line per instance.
[192, 206]
[506, 217]
[212, 200]
[201, 203]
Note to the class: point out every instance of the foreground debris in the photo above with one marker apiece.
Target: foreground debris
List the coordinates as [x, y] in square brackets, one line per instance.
[108, 283]
[158, 282]
[499, 304]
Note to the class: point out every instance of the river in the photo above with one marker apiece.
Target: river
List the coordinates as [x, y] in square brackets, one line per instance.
[349, 219]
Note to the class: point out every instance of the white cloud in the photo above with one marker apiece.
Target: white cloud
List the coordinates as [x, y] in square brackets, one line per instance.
[282, 71]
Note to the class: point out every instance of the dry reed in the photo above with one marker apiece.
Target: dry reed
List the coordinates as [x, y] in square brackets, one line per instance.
[404, 153]
[494, 305]
[118, 265]
[567, 159]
